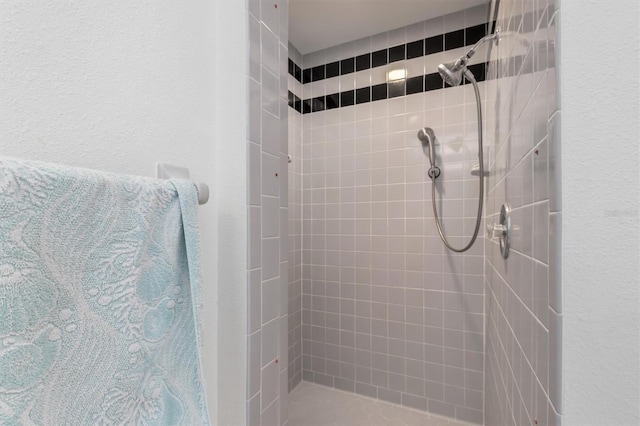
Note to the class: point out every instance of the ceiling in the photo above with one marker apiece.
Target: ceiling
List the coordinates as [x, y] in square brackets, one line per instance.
[318, 24]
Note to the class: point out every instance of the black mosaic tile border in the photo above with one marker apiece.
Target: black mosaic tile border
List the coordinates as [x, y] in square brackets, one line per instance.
[295, 102]
[415, 49]
[378, 92]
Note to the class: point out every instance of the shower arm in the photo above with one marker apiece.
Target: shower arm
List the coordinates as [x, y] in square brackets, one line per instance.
[462, 62]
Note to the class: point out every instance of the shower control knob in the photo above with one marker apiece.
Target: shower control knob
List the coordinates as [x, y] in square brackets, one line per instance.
[495, 230]
[433, 172]
[502, 230]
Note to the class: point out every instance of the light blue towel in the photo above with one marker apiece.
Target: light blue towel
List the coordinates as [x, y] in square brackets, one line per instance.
[100, 298]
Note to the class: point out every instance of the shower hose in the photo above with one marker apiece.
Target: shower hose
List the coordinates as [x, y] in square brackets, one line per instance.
[469, 77]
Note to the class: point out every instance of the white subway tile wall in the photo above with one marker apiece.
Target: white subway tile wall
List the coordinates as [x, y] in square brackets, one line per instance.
[386, 310]
[523, 307]
[267, 203]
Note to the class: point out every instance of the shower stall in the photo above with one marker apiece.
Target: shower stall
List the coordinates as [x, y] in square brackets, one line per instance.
[387, 311]
[402, 147]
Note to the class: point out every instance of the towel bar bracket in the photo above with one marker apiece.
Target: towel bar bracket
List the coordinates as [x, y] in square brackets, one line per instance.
[171, 171]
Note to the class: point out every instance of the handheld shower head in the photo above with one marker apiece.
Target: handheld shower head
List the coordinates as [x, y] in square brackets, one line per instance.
[428, 139]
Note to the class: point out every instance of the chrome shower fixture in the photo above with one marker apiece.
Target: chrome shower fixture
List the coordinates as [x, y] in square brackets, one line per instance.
[451, 72]
[428, 139]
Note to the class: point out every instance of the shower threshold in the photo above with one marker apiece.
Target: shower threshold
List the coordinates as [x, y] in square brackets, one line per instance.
[313, 404]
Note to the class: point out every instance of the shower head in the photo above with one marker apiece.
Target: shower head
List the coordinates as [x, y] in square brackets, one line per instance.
[451, 72]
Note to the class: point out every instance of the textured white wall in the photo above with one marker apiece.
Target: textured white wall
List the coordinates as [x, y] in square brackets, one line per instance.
[601, 376]
[121, 85]
[230, 123]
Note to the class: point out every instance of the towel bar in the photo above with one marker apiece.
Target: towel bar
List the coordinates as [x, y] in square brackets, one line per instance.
[170, 171]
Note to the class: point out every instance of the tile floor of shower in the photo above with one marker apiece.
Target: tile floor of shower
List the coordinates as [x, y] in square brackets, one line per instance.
[313, 405]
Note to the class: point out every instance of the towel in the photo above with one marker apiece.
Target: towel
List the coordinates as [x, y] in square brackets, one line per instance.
[100, 298]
